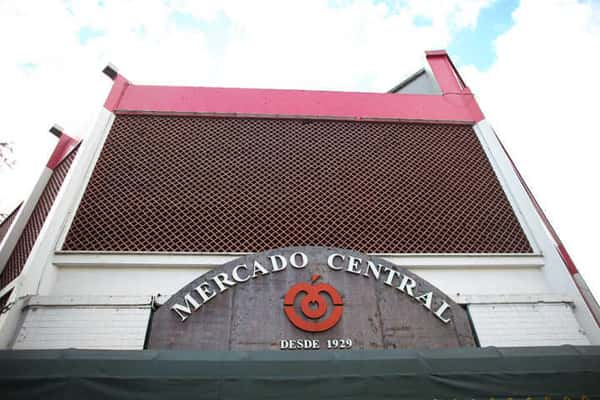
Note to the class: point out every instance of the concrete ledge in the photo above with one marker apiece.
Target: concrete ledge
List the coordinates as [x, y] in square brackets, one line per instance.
[194, 260]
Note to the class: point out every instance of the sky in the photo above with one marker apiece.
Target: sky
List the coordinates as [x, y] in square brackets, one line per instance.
[533, 66]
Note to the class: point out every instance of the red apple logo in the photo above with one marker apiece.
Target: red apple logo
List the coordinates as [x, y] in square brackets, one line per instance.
[313, 306]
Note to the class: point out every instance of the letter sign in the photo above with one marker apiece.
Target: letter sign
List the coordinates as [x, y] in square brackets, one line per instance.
[297, 297]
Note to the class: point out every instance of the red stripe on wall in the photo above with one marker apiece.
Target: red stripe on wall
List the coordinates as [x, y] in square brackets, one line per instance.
[271, 102]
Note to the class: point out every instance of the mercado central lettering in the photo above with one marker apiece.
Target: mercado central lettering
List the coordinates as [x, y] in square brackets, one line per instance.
[207, 290]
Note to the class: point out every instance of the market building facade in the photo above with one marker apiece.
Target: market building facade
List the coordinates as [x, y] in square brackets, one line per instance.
[316, 225]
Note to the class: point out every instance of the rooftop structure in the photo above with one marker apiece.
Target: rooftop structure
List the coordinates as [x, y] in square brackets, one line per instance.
[234, 220]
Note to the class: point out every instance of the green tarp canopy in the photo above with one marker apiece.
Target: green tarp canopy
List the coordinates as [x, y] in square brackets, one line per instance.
[565, 372]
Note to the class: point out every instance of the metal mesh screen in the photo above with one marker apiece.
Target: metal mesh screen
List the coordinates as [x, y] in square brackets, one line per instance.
[20, 253]
[198, 184]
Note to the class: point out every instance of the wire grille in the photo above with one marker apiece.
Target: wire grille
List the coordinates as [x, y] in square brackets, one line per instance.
[20, 253]
[201, 184]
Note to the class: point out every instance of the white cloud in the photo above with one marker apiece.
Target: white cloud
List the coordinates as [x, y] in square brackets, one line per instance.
[541, 97]
[48, 75]
[460, 14]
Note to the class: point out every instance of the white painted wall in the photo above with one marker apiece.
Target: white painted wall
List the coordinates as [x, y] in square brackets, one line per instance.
[459, 281]
[531, 322]
[150, 274]
[83, 327]
[540, 324]
[423, 83]
[556, 275]
[121, 281]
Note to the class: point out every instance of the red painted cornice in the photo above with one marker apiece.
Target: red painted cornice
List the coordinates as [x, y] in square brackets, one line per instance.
[456, 104]
[63, 148]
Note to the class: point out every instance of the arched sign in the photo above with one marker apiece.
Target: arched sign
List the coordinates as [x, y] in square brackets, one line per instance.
[313, 298]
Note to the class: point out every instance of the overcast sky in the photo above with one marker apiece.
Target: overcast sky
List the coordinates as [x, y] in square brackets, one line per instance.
[533, 65]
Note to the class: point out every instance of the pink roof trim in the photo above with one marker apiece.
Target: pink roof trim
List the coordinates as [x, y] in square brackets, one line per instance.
[63, 148]
[457, 103]
[120, 84]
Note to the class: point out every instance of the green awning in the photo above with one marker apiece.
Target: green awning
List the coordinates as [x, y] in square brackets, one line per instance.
[469, 373]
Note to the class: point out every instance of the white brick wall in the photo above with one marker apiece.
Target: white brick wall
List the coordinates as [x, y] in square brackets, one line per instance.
[535, 324]
[89, 327]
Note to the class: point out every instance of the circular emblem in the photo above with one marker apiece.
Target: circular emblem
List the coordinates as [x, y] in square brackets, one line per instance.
[313, 306]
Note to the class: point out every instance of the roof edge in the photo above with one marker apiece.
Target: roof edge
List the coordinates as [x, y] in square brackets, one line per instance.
[66, 144]
[408, 80]
[128, 97]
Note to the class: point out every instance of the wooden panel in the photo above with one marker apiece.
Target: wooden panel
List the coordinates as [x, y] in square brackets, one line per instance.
[250, 315]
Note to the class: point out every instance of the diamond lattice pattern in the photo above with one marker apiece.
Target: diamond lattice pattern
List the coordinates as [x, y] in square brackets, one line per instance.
[205, 184]
[16, 262]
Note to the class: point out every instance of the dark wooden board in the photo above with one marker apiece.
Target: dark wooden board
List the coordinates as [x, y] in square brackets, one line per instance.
[250, 315]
